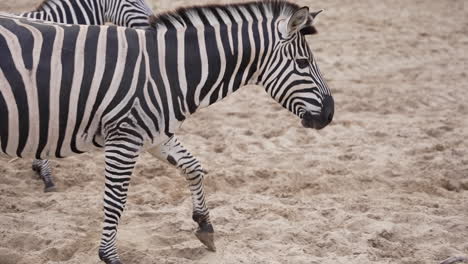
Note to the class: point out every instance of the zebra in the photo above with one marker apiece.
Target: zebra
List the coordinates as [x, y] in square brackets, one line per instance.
[126, 13]
[126, 91]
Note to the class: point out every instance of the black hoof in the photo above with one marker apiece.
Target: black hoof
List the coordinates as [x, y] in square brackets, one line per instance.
[113, 261]
[116, 261]
[207, 238]
[205, 231]
[49, 187]
[454, 260]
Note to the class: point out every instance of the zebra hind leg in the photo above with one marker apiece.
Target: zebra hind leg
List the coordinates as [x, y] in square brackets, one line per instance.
[174, 153]
[122, 149]
[42, 167]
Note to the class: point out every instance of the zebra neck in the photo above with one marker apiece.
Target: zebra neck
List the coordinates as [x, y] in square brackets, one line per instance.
[206, 64]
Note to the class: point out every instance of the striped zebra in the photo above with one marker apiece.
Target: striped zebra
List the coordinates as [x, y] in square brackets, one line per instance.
[126, 13]
[126, 91]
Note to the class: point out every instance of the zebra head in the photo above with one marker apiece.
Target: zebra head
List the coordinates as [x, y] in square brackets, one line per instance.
[291, 74]
[128, 13]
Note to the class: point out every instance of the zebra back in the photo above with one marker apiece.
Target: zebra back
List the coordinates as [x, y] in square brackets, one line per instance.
[126, 13]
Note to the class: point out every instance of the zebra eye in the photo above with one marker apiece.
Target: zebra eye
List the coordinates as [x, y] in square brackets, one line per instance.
[302, 63]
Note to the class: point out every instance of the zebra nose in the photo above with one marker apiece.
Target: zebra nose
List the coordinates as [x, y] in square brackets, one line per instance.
[324, 118]
[328, 110]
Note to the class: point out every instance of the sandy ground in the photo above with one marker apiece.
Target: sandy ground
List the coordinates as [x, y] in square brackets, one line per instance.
[385, 183]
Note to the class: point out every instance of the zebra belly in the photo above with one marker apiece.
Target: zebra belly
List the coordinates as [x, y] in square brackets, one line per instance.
[12, 146]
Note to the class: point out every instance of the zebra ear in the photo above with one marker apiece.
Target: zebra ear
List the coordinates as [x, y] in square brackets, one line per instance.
[309, 28]
[298, 20]
[312, 15]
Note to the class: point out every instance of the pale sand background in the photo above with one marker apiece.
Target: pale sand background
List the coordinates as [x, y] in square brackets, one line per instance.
[385, 183]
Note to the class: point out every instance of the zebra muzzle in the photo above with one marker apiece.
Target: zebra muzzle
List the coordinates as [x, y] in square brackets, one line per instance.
[325, 117]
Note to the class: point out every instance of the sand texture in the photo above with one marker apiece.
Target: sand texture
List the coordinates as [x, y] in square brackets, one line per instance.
[386, 182]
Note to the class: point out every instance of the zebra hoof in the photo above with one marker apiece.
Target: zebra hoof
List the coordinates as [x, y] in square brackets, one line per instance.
[108, 261]
[50, 189]
[454, 260]
[115, 261]
[207, 238]
[49, 186]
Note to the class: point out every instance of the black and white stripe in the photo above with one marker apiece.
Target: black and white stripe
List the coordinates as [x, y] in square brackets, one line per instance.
[65, 90]
[127, 13]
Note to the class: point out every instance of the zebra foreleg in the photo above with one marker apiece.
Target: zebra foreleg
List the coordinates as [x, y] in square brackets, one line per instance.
[42, 167]
[122, 151]
[175, 154]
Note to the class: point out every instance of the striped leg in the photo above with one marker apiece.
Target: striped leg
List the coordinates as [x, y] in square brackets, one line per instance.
[42, 167]
[175, 154]
[122, 149]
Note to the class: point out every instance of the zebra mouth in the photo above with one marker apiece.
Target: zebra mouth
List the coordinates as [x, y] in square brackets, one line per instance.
[314, 121]
[307, 123]
[316, 124]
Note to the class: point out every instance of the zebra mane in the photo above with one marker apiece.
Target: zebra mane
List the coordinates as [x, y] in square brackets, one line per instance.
[269, 8]
[41, 5]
